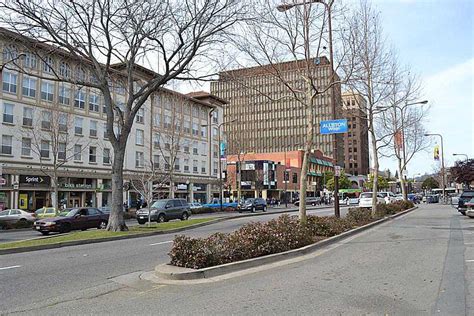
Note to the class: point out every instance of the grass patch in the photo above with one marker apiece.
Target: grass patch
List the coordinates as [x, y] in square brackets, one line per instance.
[99, 234]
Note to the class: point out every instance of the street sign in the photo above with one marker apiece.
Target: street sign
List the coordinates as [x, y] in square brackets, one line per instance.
[337, 171]
[333, 127]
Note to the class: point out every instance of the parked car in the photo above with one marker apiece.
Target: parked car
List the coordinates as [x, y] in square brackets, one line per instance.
[164, 210]
[466, 196]
[353, 201]
[73, 219]
[433, 198]
[470, 208]
[13, 216]
[310, 200]
[398, 197]
[252, 205]
[215, 204]
[46, 212]
[365, 199]
[195, 205]
[414, 198]
[388, 197]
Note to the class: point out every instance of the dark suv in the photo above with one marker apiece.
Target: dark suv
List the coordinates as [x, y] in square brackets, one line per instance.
[252, 205]
[164, 210]
[465, 197]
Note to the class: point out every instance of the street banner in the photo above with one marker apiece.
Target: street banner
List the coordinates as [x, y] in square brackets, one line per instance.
[436, 153]
[222, 151]
[399, 140]
[333, 127]
[287, 164]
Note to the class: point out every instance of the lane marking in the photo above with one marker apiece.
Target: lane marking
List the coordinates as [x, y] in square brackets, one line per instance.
[470, 260]
[161, 243]
[11, 267]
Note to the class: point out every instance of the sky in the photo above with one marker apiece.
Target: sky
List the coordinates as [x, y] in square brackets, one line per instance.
[435, 38]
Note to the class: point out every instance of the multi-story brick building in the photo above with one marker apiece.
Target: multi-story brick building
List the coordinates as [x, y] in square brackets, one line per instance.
[33, 102]
[267, 119]
[356, 142]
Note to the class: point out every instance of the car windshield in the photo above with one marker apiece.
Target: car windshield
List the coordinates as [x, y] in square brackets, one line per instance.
[68, 212]
[469, 194]
[366, 195]
[249, 201]
[39, 211]
[159, 204]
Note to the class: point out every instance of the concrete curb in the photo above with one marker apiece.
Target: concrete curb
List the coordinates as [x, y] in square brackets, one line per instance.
[169, 272]
[94, 241]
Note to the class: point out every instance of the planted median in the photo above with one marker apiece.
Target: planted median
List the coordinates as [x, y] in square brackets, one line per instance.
[259, 239]
[92, 235]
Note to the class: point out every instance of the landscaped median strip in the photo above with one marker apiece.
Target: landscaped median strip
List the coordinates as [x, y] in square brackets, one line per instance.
[168, 272]
[96, 236]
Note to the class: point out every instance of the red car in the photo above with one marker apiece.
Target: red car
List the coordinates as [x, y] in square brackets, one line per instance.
[73, 219]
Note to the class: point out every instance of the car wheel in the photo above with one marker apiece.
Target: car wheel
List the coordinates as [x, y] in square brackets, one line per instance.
[22, 220]
[264, 208]
[253, 209]
[102, 225]
[45, 233]
[184, 216]
[161, 218]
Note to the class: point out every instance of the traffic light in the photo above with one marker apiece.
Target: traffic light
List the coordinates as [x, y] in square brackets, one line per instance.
[436, 153]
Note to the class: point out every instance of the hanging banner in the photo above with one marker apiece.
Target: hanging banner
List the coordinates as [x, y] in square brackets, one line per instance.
[287, 164]
[436, 153]
[399, 140]
[222, 151]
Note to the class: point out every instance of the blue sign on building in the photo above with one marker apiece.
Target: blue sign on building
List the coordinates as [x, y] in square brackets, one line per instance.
[333, 127]
[223, 151]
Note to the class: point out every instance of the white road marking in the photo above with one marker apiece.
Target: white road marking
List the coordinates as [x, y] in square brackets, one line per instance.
[12, 267]
[161, 243]
[469, 260]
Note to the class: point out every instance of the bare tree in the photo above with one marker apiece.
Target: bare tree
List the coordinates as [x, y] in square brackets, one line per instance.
[403, 118]
[287, 47]
[369, 62]
[111, 38]
[54, 143]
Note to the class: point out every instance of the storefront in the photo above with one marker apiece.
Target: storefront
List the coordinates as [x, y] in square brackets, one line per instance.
[34, 192]
[200, 192]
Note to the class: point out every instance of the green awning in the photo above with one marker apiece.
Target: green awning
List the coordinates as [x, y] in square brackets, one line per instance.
[313, 160]
[315, 174]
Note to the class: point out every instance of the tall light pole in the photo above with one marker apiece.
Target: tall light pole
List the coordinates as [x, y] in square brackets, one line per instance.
[328, 6]
[442, 164]
[402, 129]
[219, 156]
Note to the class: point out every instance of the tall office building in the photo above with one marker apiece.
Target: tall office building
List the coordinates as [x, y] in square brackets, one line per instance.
[356, 143]
[268, 118]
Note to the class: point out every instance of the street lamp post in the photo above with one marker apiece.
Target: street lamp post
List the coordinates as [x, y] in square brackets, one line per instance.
[467, 157]
[328, 6]
[442, 164]
[220, 162]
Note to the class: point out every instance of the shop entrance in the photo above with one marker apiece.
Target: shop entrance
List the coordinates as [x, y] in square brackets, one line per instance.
[40, 200]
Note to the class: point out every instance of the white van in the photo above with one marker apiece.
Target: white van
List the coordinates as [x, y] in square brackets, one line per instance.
[365, 199]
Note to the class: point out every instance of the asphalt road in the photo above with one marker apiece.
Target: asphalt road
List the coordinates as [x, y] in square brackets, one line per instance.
[29, 280]
[24, 234]
[419, 264]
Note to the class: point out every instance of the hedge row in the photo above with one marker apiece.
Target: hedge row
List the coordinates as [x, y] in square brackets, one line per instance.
[207, 210]
[263, 238]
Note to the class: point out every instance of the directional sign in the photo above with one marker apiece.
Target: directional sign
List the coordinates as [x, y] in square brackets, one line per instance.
[337, 171]
[333, 127]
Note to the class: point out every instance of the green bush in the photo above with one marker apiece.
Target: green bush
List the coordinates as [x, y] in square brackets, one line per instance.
[405, 205]
[359, 216]
[328, 226]
[209, 210]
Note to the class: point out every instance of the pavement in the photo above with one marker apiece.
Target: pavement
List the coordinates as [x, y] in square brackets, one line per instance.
[421, 263]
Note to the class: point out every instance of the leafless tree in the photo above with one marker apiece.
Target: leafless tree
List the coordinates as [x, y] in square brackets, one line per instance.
[404, 119]
[54, 143]
[111, 39]
[370, 67]
[283, 44]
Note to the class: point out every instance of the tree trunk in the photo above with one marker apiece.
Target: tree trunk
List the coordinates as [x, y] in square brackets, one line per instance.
[402, 179]
[303, 187]
[116, 221]
[375, 180]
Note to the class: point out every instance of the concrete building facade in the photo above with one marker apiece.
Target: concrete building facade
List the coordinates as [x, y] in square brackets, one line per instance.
[33, 103]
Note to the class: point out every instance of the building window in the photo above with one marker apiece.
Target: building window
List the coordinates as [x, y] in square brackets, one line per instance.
[80, 99]
[214, 132]
[92, 154]
[64, 70]
[10, 54]
[93, 129]
[139, 137]
[215, 152]
[46, 120]
[47, 89]
[48, 64]
[295, 178]
[29, 60]
[203, 131]
[186, 165]
[106, 156]
[157, 119]
[203, 167]
[139, 159]
[187, 127]
[195, 129]
[7, 144]
[44, 152]
[105, 131]
[94, 103]
[167, 122]
[176, 164]
[64, 95]
[29, 87]
[195, 148]
[140, 116]
[215, 117]
[7, 113]
[167, 163]
[9, 81]
[215, 167]
[78, 125]
[195, 166]
[27, 116]
[156, 161]
[62, 118]
[62, 151]
[77, 152]
[186, 148]
[26, 146]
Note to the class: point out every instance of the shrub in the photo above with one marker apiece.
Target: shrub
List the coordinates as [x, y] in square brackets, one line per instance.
[328, 226]
[359, 216]
[208, 210]
[405, 205]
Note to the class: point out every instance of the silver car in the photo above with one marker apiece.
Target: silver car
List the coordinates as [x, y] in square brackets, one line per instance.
[13, 216]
